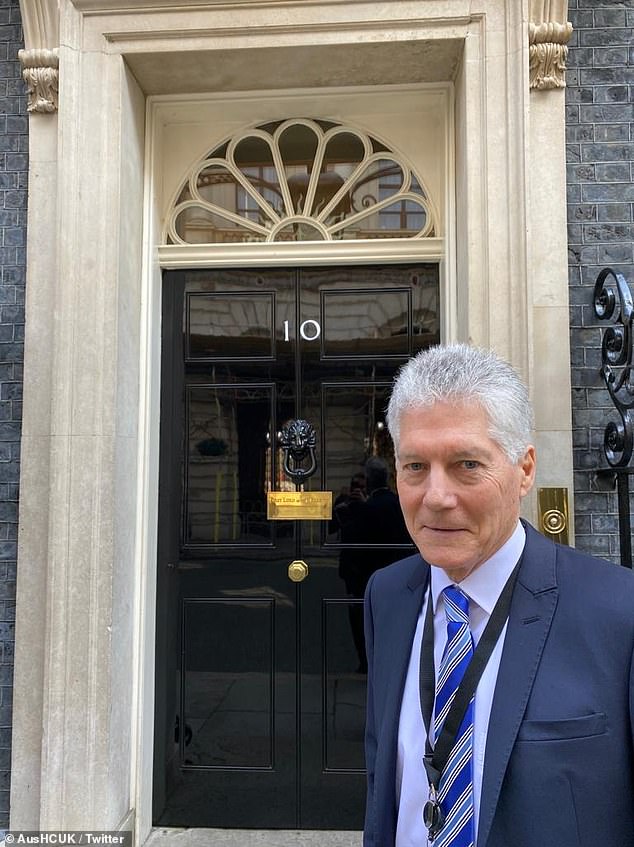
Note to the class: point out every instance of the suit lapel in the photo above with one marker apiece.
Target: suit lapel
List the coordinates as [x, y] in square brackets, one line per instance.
[530, 617]
[408, 602]
[402, 635]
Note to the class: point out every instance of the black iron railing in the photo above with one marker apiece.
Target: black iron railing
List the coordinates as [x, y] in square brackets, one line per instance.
[613, 302]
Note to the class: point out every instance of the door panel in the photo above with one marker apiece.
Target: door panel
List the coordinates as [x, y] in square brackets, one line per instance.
[260, 696]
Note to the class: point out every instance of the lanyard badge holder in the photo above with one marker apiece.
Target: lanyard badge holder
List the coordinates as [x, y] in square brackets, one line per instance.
[435, 760]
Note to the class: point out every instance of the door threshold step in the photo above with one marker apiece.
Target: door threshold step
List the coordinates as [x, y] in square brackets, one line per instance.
[174, 837]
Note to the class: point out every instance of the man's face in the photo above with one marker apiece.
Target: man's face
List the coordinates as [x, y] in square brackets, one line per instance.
[459, 493]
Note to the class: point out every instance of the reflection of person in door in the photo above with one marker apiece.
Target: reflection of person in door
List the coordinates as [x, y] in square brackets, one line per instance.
[348, 520]
[369, 515]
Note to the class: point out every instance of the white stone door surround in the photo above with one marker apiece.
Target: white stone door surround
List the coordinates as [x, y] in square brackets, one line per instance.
[83, 691]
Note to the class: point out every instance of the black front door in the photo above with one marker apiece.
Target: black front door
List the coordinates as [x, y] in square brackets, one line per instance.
[260, 693]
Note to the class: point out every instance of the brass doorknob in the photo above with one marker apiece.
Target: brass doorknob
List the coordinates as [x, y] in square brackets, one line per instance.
[297, 571]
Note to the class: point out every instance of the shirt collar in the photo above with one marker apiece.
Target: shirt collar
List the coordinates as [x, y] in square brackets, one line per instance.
[484, 585]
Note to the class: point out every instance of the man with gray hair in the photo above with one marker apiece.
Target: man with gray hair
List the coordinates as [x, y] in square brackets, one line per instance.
[500, 665]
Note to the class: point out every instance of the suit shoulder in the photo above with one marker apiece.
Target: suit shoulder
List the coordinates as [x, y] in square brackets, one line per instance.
[595, 587]
[581, 569]
[403, 572]
[591, 568]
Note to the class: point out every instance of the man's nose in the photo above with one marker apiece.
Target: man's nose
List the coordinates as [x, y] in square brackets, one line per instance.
[439, 493]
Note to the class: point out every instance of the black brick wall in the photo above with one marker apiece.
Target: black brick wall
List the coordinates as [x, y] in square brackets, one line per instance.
[600, 153]
[13, 198]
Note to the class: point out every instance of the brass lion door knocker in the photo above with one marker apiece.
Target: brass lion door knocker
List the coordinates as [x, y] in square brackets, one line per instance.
[298, 441]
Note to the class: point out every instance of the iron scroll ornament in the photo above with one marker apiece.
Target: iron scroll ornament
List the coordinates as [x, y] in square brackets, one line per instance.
[613, 301]
[298, 441]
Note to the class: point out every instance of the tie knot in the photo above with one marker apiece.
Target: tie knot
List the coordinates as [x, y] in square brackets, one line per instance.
[456, 604]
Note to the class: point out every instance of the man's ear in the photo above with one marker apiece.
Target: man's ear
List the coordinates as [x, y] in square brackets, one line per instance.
[527, 466]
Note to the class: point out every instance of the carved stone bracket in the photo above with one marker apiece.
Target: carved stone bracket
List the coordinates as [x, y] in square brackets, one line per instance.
[548, 52]
[548, 36]
[40, 59]
[40, 70]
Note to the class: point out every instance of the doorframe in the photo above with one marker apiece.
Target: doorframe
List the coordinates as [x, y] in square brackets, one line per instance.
[298, 254]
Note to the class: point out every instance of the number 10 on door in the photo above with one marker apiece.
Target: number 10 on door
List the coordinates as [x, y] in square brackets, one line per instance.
[308, 329]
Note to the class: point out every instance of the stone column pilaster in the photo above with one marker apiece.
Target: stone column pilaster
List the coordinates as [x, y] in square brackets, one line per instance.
[40, 64]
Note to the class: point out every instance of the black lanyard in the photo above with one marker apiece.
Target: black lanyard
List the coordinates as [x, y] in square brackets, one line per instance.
[435, 760]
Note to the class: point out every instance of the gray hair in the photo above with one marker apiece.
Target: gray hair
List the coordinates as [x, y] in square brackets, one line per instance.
[458, 373]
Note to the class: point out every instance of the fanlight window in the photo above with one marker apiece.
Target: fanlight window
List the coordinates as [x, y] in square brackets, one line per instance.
[300, 180]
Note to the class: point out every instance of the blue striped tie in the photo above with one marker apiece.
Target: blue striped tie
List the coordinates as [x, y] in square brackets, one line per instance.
[455, 790]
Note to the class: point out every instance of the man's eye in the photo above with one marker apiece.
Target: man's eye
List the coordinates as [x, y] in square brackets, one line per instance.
[470, 464]
[414, 466]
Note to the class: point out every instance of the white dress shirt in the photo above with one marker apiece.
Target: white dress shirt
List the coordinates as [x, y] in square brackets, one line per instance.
[483, 586]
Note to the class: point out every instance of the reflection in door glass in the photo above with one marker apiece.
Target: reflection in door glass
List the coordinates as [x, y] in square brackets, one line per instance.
[227, 692]
[390, 319]
[230, 325]
[376, 321]
[345, 691]
[228, 437]
[354, 418]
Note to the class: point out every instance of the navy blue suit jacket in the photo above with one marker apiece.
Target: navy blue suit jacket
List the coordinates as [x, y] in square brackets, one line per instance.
[559, 763]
